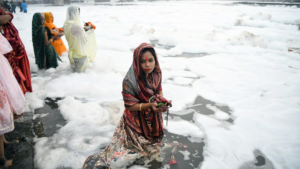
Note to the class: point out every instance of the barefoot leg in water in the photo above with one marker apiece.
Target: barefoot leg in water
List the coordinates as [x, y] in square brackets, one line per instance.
[2, 156]
[6, 142]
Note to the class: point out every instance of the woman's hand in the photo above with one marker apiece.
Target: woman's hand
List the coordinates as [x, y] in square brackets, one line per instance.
[154, 108]
[56, 37]
[59, 36]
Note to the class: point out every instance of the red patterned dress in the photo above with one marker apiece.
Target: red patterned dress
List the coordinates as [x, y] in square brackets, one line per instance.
[138, 134]
[17, 58]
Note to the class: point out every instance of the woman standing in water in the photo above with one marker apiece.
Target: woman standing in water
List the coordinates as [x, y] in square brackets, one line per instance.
[17, 58]
[82, 44]
[45, 54]
[140, 130]
[58, 44]
[11, 99]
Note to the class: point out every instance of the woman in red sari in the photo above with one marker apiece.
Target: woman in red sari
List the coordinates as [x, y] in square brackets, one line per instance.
[140, 130]
[17, 58]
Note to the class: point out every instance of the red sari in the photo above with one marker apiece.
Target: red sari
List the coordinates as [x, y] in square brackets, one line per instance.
[147, 124]
[138, 134]
[17, 58]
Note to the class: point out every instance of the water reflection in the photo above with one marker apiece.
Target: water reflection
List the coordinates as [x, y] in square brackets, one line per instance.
[47, 120]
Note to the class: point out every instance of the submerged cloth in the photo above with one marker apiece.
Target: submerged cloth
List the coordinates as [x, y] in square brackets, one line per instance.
[11, 95]
[17, 58]
[138, 134]
[58, 44]
[80, 63]
[81, 44]
[45, 56]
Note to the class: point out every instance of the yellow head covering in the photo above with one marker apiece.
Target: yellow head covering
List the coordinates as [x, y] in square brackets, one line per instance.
[49, 21]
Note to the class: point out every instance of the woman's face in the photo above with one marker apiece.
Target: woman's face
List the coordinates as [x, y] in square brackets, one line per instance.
[52, 17]
[147, 62]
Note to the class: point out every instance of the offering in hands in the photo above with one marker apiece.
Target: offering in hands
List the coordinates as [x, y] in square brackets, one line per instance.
[88, 26]
[162, 103]
[55, 31]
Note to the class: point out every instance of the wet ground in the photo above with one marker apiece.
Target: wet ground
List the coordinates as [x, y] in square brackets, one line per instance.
[43, 123]
[48, 120]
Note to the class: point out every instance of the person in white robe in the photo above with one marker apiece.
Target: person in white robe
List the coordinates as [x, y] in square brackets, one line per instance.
[82, 44]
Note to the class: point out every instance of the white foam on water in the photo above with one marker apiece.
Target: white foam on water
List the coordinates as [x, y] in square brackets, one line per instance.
[264, 106]
[181, 73]
[184, 128]
[87, 130]
[186, 96]
[40, 115]
[86, 85]
[186, 154]
[137, 167]
[219, 114]
[182, 80]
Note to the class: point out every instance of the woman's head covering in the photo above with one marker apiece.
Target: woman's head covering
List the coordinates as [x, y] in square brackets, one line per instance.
[135, 82]
[38, 39]
[137, 66]
[49, 17]
[73, 15]
[155, 75]
[49, 21]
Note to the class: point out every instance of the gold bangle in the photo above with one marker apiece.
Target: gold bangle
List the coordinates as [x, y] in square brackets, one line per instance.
[141, 106]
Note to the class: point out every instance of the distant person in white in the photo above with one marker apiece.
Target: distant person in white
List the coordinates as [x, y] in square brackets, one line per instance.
[82, 42]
